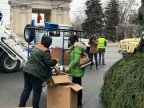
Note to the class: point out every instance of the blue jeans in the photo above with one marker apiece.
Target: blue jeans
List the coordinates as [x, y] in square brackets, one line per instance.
[95, 56]
[101, 58]
[31, 82]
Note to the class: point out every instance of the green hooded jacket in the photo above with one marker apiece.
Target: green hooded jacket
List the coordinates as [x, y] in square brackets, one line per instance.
[40, 63]
[74, 57]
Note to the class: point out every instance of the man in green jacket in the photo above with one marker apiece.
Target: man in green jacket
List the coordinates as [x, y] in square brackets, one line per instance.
[36, 71]
[74, 57]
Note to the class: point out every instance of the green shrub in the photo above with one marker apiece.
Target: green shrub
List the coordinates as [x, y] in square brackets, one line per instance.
[124, 83]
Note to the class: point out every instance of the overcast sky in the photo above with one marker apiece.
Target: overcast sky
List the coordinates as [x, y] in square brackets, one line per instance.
[77, 6]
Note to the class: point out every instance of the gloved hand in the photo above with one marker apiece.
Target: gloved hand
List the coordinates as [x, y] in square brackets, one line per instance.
[54, 62]
[66, 69]
[68, 51]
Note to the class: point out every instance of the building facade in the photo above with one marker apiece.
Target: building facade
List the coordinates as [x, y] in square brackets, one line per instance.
[54, 11]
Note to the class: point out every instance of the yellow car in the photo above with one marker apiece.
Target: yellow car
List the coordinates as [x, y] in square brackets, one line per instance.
[129, 45]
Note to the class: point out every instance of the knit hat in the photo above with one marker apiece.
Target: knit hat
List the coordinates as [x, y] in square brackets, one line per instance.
[73, 39]
[46, 41]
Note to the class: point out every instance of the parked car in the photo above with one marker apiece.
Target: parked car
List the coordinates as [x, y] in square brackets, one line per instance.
[129, 45]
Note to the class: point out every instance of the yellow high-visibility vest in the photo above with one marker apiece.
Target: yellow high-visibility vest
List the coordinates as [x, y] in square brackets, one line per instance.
[101, 42]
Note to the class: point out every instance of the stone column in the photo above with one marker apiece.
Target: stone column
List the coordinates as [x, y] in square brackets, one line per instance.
[66, 18]
[60, 13]
[21, 12]
[53, 16]
[20, 15]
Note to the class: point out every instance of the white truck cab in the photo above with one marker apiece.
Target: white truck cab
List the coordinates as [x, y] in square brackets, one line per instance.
[12, 50]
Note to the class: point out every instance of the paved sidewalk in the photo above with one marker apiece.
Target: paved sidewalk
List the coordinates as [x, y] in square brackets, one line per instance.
[11, 84]
[113, 44]
[93, 79]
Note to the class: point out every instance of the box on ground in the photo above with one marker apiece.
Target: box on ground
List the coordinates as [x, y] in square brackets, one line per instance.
[62, 93]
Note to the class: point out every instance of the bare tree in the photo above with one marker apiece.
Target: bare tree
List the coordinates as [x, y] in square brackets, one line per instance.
[80, 16]
[124, 8]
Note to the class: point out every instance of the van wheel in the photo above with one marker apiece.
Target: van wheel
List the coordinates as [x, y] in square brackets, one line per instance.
[29, 33]
[9, 65]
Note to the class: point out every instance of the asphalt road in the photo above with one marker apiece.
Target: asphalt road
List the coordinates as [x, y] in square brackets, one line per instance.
[11, 84]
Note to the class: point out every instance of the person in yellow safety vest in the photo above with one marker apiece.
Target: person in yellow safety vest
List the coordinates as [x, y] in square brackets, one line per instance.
[101, 49]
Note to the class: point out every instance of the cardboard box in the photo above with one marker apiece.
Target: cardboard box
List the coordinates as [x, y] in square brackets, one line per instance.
[57, 53]
[62, 93]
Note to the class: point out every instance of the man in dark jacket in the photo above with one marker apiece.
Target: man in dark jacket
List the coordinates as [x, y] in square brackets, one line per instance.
[36, 71]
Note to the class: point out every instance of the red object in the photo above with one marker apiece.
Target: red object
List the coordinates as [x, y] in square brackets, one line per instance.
[56, 47]
[39, 18]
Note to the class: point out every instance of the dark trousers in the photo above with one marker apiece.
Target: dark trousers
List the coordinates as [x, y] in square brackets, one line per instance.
[101, 58]
[77, 80]
[95, 56]
[31, 82]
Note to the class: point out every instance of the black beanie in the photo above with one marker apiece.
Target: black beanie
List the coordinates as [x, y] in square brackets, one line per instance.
[73, 39]
[46, 41]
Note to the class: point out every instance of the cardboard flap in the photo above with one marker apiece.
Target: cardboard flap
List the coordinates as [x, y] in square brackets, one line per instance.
[60, 79]
[76, 87]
